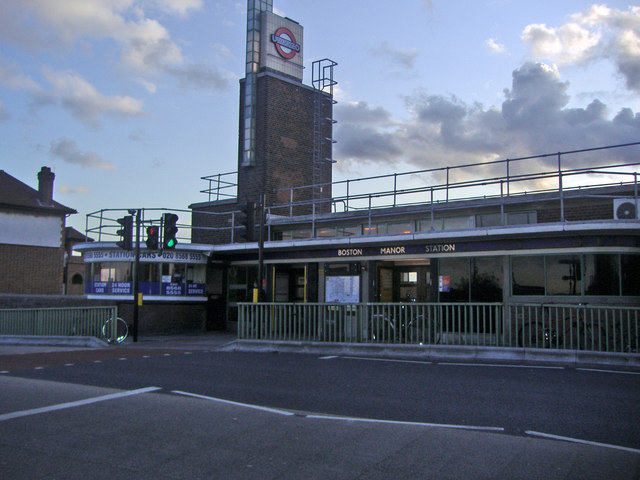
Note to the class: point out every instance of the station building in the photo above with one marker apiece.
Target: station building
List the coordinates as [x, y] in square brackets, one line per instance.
[281, 230]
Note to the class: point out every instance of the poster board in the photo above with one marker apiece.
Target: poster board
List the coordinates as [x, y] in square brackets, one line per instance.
[342, 289]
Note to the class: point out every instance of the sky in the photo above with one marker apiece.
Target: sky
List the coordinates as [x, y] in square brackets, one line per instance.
[131, 102]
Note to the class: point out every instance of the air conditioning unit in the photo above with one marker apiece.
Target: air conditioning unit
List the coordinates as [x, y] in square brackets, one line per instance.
[625, 209]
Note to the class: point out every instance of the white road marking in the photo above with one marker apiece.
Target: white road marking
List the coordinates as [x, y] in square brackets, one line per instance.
[237, 404]
[335, 417]
[391, 360]
[77, 403]
[577, 440]
[397, 422]
[607, 371]
[462, 364]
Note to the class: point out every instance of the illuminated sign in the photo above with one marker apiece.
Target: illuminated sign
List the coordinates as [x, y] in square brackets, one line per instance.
[396, 250]
[285, 43]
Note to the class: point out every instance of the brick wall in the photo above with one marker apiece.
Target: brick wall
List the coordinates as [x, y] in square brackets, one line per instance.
[284, 143]
[31, 270]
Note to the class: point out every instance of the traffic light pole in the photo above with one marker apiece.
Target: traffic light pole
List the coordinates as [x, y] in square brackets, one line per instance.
[136, 269]
[261, 248]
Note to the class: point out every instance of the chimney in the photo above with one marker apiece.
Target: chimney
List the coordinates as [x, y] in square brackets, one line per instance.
[45, 185]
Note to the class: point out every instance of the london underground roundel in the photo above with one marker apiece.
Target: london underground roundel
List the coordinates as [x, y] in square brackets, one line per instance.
[285, 43]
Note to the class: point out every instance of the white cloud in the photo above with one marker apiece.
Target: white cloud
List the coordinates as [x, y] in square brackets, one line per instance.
[403, 58]
[84, 102]
[145, 44]
[181, 7]
[66, 189]
[595, 34]
[495, 47]
[68, 151]
[534, 118]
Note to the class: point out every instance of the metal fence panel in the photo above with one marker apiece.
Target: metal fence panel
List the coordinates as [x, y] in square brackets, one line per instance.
[556, 326]
[66, 321]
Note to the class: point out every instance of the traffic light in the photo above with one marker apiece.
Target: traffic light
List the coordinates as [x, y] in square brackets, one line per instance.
[152, 237]
[246, 220]
[126, 233]
[169, 239]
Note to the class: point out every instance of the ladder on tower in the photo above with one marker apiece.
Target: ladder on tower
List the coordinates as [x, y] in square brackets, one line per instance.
[323, 101]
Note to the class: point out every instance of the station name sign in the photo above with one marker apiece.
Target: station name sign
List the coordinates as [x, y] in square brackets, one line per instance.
[170, 256]
[396, 250]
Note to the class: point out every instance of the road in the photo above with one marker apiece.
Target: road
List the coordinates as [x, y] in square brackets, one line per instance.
[506, 403]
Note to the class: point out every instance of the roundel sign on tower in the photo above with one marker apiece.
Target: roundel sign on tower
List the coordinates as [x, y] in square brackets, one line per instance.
[285, 43]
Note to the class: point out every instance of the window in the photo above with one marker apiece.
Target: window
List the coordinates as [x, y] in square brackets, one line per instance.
[486, 279]
[296, 234]
[454, 279]
[527, 275]
[348, 231]
[601, 275]
[630, 274]
[400, 227]
[564, 275]
[456, 223]
[521, 218]
[488, 220]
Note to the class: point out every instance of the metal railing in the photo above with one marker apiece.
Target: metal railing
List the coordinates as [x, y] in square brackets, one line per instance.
[561, 327]
[68, 321]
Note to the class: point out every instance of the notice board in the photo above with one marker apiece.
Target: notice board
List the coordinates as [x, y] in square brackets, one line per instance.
[342, 289]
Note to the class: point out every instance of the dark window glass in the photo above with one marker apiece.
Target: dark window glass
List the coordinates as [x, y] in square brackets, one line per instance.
[486, 279]
[564, 275]
[630, 274]
[527, 275]
[601, 275]
[454, 279]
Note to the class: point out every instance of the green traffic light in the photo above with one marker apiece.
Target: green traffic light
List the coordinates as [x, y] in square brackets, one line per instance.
[171, 243]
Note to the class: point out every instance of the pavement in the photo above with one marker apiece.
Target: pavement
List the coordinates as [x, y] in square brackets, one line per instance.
[253, 442]
[17, 345]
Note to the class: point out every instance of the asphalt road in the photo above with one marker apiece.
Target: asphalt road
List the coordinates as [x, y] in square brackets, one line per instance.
[499, 419]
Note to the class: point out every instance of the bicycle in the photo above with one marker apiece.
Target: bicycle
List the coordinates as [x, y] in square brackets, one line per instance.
[560, 330]
[122, 330]
[394, 324]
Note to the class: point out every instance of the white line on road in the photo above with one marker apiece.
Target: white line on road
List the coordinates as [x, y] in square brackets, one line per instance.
[334, 417]
[373, 359]
[577, 440]
[599, 370]
[77, 403]
[397, 422]
[462, 364]
[237, 404]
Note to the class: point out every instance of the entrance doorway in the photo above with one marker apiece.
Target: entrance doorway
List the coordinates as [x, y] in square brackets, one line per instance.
[403, 282]
[290, 284]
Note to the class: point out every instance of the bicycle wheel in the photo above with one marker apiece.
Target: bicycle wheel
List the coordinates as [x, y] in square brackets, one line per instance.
[122, 330]
[534, 335]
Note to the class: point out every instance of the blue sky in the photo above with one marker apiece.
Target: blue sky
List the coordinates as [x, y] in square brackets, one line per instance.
[132, 101]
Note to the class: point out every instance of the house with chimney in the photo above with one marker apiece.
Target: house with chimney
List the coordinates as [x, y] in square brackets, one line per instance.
[32, 237]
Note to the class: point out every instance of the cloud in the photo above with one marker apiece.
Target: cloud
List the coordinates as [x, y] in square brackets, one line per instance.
[199, 76]
[66, 189]
[597, 33]
[68, 151]
[73, 93]
[84, 102]
[495, 47]
[403, 58]
[146, 46]
[181, 7]
[443, 130]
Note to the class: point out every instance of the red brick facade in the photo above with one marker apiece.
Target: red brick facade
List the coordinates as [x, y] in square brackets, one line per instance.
[31, 270]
